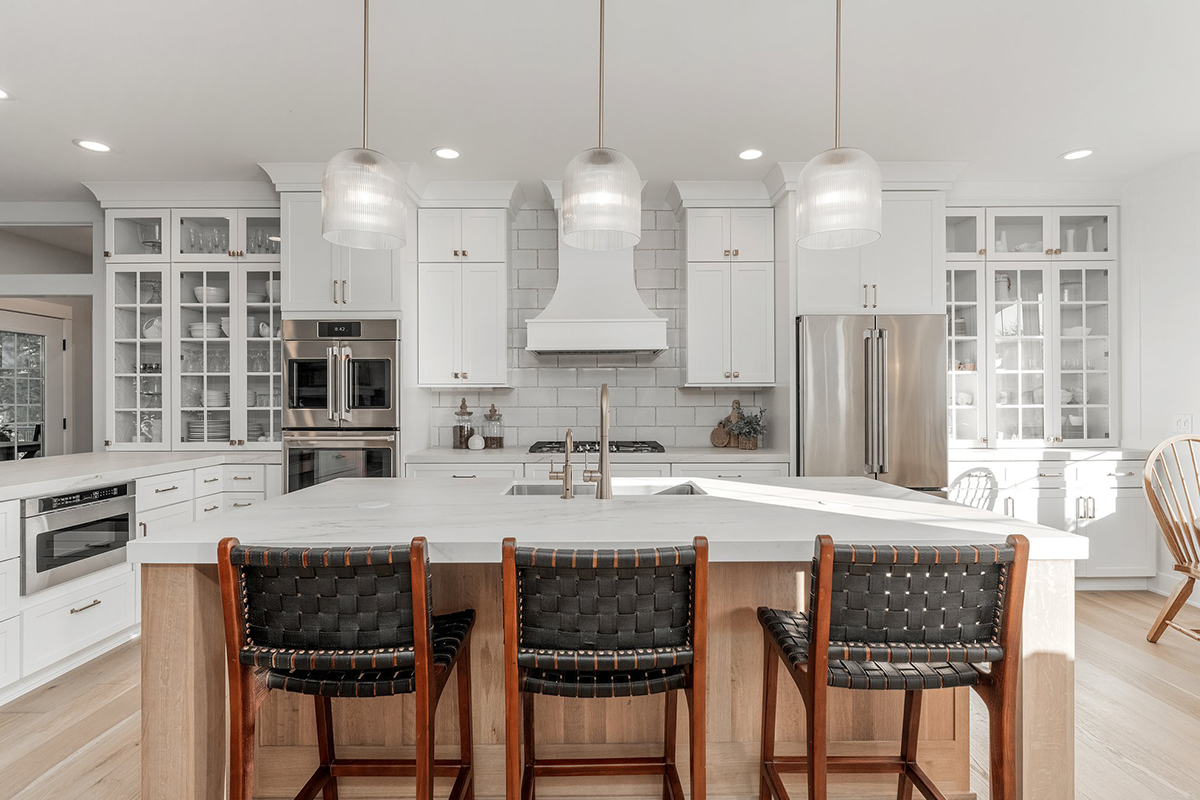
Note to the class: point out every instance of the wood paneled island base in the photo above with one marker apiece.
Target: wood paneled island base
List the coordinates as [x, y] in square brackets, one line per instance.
[184, 753]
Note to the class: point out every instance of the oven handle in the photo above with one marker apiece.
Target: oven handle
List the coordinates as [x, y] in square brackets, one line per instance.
[302, 440]
[344, 377]
[331, 387]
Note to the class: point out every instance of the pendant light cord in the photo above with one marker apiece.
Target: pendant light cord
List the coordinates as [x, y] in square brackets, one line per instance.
[837, 80]
[366, 63]
[600, 132]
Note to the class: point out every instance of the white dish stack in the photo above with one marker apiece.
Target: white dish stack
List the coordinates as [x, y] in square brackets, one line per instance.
[216, 398]
[205, 330]
[217, 430]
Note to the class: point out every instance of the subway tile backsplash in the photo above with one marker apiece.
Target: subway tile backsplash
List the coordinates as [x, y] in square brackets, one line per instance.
[551, 393]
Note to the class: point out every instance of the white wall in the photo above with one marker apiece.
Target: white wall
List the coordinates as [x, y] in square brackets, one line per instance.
[1160, 302]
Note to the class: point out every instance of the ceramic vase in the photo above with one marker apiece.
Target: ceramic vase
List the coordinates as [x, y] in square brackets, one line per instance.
[1070, 240]
[1090, 247]
[1002, 242]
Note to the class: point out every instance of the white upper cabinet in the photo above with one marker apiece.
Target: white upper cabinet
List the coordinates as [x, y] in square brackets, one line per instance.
[1019, 234]
[1062, 234]
[966, 234]
[451, 235]
[322, 277]
[722, 234]
[902, 272]
[1084, 234]
[752, 322]
[462, 324]
[137, 234]
[708, 331]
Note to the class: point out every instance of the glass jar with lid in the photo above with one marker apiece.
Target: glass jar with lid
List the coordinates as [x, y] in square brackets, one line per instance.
[493, 429]
[463, 426]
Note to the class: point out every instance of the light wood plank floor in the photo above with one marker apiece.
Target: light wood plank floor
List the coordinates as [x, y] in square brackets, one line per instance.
[1137, 715]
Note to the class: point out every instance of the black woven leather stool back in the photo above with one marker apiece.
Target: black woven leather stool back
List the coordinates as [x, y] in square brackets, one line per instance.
[606, 599]
[913, 596]
[350, 598]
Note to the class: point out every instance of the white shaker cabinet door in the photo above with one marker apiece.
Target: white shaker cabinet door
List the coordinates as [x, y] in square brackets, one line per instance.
[1120, 544]
[311, 268]
[830, 282]
[752, 234]
[439, 235]
[708, 344]
[484, 235]
[905, 267]
[439, 324]
[10, 651]
[752, 322]
[485, 324]
[370, 279]
[708, 234]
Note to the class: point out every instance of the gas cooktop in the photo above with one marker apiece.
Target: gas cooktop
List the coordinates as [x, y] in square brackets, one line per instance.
[593, 446]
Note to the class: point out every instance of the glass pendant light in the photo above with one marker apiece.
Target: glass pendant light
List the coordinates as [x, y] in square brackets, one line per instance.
[601, 191]
[840, 192]
[362, 191]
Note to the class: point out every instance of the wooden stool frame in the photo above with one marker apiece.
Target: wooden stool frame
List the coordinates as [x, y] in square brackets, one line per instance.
[248, 689]
[1172, 483]
[997, 688]
[522, 769]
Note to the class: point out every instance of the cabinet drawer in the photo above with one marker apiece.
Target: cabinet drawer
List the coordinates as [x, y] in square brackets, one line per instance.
[204, 507]
[465, 471]
[160, 520]
[10, 588]
[733, 470]
[238, 500]
[1109, 474]
[10, 529]
[58, 628]
[209, 481]
[164, 490]
[245, 478]
[10, 651]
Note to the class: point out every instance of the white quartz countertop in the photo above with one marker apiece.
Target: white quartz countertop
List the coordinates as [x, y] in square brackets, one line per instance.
[773, 520]
[35, 477]
[521, 455]
[1049, 454]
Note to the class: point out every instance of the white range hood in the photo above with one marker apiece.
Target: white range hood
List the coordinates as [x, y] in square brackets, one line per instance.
[595, 308]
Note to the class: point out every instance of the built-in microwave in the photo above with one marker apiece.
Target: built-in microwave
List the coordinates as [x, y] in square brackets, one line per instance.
[67, 536]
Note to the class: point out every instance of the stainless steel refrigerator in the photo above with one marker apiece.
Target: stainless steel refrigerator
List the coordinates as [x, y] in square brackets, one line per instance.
[872, 398]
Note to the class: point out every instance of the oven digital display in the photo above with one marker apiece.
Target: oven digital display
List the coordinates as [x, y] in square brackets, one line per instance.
[81, 498]
[338, 330]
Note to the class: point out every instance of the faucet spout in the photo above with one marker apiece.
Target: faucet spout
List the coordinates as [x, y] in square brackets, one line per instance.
[604, 485]
[566, 475]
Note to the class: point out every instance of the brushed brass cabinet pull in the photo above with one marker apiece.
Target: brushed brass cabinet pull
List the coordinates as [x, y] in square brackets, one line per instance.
[92, 604]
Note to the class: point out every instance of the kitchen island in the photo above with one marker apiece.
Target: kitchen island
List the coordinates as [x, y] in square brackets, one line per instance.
[761, 540]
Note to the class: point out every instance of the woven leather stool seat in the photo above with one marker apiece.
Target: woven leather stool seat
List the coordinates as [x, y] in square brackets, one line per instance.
[631, 683]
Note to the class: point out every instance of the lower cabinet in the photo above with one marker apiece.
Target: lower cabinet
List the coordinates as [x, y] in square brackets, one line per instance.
[541, 470]
[736, 470]
[1121, 540]
[75, 620]
[10, 588]
[465, 471]
[10, 651]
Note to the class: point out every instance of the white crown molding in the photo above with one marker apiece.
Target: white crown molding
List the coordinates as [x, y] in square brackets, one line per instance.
[897, 175]
[175, 194]
[1035, 193]
[305, 176]
[473, 194]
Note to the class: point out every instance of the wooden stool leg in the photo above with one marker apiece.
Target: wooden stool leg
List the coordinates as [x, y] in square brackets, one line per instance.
[1002, 742]
[424, 755]
[908, 740]
[465, 739]
[528, 788]
[670, 723]
[818, 743]
[696, 702]
[242, 714]
[770, 695]
[325, 751]
[1171, 608]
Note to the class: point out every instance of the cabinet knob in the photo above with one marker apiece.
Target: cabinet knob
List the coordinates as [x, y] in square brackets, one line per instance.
[728, 374]
[726, 252]
[233, 442]
[108, 253]
[108, 442]
[456, 254]
[241, 253]
[983, 251]
[1050, 251]
[983, 439]
[1058, 251]
[737, 374]
[456, 374]
[464, 253]
[735, 252]
[464, 376]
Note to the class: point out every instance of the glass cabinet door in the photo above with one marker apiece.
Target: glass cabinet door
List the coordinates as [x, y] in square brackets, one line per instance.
[1018, 385]
[1019, 234]
[263, 360]
[132, 235]
[138, 325]
[965, 381]
[204, 328]
[258, 235]
[1084, 234]
[1085, 376]
[204, 235]
[966, 239]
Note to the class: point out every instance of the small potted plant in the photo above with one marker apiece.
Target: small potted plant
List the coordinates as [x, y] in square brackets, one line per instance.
[749, 428]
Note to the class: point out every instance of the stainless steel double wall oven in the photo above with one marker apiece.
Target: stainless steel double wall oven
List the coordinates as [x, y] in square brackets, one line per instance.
[341, 412]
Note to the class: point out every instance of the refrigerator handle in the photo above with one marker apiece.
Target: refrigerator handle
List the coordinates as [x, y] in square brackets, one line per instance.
[331, 383]
[881, 364]
[869, 405]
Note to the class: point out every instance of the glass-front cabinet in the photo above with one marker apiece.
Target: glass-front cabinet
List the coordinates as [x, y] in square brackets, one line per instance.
[967, 378]
[966, 238]
[259, 236]
[139, 350]
[136, 235]
[1018, 321]
[1019, 234]
[1040, 234]
[1084, 234]
[1083, 327]
[262, 364]
[205, 234]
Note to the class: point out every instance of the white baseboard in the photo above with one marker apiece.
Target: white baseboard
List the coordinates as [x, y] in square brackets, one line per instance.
[1112, 584]
[44, 676]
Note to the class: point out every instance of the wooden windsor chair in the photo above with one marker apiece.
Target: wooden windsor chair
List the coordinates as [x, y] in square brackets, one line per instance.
[1172, 483]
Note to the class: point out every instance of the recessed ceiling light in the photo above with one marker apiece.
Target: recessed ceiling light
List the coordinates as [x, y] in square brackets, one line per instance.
[88, 144]
[1072, 155]
[5, 95]
[445, 152]
[750, 155]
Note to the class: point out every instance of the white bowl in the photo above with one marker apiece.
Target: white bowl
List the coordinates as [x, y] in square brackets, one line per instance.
[273, 290]
[211, 294]
[1075, 420]
[1077, 330]
[251, 297]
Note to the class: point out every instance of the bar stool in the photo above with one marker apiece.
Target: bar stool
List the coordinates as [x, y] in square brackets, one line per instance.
[341, 622]
[604, 623]
[903, 618]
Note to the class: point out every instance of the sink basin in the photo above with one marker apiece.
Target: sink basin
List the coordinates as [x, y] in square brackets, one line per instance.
[589, 490]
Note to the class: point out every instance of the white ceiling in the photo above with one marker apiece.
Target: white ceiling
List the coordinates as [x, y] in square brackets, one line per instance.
[206, 90]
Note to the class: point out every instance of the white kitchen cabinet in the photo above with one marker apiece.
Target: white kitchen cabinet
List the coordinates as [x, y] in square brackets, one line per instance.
[966, 234]
[10, 588]
[465, 471]
[1070, 229]
[730, 323]
[57, 628]
[748, 469]
[164, 490]
[455, 235]
[139, 356]
[541, 470]
[724, 234]
[137, 234]
[899, 273]
[10, 530]
[1121, 542]
[234, 501]
[1082, 233]
[462, 324]
[259, 237]
[211, 506]
[155, 520]
[1019, 234]
[10, 651]
[244, 478]
[322, 277]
